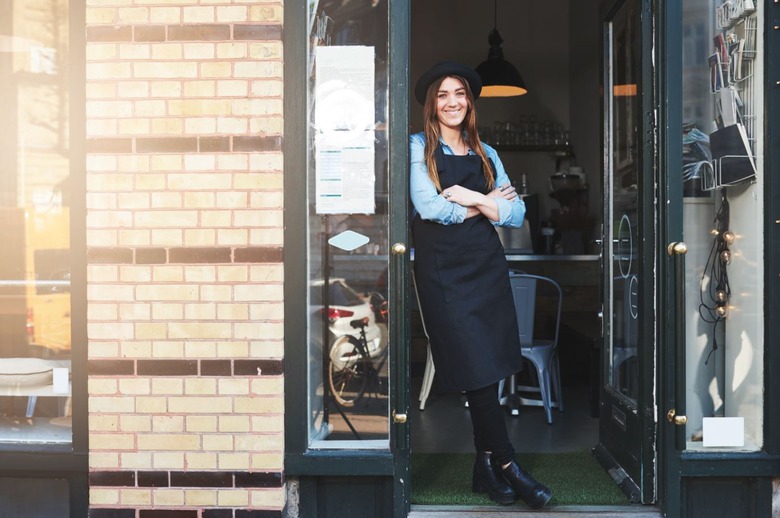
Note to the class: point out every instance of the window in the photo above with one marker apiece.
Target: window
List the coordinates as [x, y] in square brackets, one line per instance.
[35, 165]
[347, 225]
[723, 199]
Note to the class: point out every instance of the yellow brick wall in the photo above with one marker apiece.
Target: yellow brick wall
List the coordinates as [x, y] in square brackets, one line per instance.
[184, 236]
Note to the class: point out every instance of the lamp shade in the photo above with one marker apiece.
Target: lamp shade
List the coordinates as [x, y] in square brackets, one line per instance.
[500, 78]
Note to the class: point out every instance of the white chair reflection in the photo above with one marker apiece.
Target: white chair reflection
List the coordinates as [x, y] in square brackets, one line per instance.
[430, 368]
[541, 353]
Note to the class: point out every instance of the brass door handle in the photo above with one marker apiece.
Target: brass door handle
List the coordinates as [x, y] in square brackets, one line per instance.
[679, 420]
[399, 249]
[399, 418]
[677, 248]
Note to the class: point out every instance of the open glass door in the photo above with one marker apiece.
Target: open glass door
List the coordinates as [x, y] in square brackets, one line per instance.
[627, 413]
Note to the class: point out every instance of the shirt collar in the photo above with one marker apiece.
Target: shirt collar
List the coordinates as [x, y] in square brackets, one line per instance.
[448, 148]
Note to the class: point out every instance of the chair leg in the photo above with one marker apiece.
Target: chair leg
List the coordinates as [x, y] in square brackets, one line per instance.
[430, 370]
[544, 385]
[425, 376]
[31, 401]
[556, 377]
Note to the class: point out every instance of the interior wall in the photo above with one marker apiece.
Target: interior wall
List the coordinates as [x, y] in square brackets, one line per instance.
[584, 93]
[557, 55]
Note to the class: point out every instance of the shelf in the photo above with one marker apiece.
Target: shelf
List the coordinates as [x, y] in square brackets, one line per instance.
[551, 148]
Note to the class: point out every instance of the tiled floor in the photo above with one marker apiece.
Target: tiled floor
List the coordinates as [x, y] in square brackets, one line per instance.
[445, 425]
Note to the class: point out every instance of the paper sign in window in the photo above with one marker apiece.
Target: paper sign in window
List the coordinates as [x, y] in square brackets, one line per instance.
[344, 120]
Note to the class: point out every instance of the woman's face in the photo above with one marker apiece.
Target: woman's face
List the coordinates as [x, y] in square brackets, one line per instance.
[452, 103]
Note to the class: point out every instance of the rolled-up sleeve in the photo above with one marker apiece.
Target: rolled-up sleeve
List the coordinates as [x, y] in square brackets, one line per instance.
[510, 213]
[427, 202]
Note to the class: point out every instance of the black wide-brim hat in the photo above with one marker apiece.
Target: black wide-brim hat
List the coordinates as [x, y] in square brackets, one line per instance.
[444, 69]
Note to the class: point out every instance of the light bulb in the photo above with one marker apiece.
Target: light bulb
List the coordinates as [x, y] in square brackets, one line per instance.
[721, 296]
[725, 256]
[714, 232]
[721, 311]
[728, 238]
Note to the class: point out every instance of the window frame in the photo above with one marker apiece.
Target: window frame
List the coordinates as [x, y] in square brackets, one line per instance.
[69, 461]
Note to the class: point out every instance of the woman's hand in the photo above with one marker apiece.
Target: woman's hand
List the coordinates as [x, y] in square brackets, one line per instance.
[506, 191]
[475, 202]
[462, 196]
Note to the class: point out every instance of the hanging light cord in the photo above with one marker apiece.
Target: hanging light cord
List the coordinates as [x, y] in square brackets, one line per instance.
[715, 270]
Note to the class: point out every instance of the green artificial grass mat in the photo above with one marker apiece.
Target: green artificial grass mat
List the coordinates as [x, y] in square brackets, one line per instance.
[575, 478]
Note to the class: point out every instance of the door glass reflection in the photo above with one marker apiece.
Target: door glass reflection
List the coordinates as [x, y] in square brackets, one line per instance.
[623, 204]
[722, 207]
[348, 225]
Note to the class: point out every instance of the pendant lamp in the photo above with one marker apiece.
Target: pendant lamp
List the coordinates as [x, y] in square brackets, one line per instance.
[500, 78]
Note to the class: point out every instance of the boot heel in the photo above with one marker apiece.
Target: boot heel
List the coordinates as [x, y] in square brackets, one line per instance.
[486, 480]
[530, 491]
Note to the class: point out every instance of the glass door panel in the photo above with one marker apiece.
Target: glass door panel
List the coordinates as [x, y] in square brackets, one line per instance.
[722, 206]
[348, 225]
[622, 205]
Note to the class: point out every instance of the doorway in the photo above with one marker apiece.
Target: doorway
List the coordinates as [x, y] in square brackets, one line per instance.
[555, 127]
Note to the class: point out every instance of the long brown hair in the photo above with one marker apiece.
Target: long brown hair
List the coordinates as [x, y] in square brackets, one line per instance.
[432, 132]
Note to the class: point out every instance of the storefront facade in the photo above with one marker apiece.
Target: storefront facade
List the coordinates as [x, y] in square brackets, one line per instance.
[196, 196]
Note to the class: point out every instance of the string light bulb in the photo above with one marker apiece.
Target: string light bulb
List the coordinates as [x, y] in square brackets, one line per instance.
[721, 296]
[725, 256]
[728, 238]
[721, 311]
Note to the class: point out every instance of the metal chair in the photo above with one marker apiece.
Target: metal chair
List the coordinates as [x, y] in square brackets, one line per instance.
[542, 353]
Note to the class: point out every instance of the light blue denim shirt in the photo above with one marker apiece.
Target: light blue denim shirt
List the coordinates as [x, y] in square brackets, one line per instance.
[432, 206]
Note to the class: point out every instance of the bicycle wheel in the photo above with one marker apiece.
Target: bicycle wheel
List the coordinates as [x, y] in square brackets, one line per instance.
[347, 373]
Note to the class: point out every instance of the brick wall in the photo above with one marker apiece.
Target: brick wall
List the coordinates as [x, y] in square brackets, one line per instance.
[184, 199]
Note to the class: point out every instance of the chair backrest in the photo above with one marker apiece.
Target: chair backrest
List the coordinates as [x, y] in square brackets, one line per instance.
[524, 295]
[524, 288]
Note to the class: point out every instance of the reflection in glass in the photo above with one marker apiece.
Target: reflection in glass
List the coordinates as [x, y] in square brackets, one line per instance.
[35, 326]
[623, 190]
[724, 315]
[348, 225]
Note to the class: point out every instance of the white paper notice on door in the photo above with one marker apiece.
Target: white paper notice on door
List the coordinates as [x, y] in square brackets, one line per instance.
[344, 130]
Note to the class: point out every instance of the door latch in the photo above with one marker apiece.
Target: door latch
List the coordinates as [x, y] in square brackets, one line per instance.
[399, 418]
[679, 420]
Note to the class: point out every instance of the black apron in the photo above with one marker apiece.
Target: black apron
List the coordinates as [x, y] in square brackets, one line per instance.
[465, 297]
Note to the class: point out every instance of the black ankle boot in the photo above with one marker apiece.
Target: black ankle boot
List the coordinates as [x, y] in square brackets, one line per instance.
[533, 493]
[485, 479]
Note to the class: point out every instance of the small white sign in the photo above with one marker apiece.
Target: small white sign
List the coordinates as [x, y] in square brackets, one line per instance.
[60, 380]
[721, 432]
[348, 240]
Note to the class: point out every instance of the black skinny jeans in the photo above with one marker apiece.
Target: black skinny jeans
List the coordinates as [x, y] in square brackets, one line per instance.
[487, 419]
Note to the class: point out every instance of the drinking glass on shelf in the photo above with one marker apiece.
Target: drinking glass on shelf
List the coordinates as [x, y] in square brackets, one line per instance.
[498, 133]
[522, 130]
[533, 133]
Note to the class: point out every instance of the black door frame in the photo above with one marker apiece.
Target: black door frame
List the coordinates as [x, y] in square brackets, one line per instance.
[69, 462]
[382, 475]
[685, 476]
